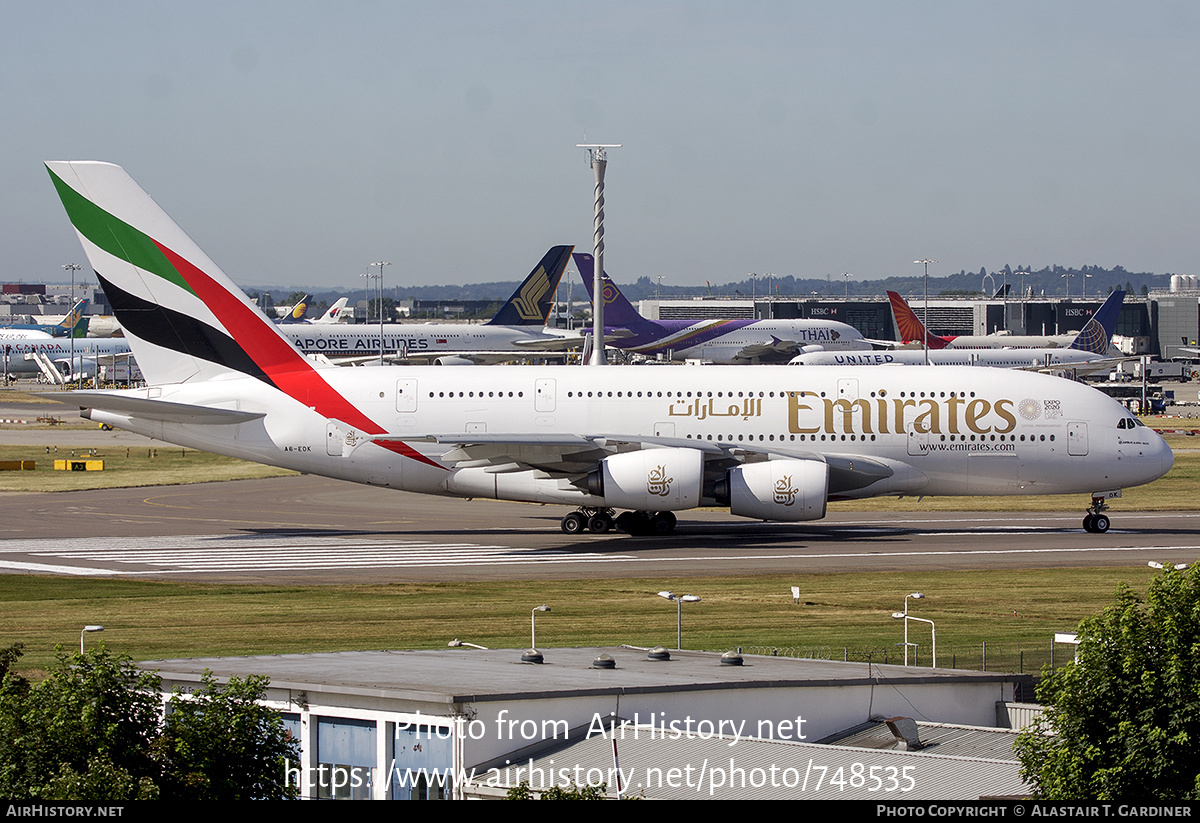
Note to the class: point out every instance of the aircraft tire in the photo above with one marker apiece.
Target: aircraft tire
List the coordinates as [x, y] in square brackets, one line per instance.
[599, 524]
[574, 523]
[1100, 523]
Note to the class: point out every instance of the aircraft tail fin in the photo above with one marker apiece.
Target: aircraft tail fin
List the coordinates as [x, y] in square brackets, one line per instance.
[1096, 334]
[618, 311]
[75, 324]
[185, 319]
[530, 303]
[299, 312]
[334, 312]
[910, 326]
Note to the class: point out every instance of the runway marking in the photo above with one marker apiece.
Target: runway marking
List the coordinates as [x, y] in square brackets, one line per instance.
[273, 553]
[225, 553]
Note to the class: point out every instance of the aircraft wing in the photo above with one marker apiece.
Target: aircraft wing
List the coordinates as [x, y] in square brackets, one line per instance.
[570, 341]
[773, 349]
[572, 457]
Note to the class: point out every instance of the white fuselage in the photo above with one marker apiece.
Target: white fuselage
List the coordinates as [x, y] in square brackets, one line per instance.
[992, 358]
[59, 351]
[411, 339]
[511, 433]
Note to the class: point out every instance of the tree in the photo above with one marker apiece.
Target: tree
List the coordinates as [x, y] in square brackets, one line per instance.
[1123, 720]
[84, 732]
[573, 792]
[94, 730]
[221, 744]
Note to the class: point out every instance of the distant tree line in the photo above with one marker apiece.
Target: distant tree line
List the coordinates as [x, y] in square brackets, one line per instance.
[1052, 281]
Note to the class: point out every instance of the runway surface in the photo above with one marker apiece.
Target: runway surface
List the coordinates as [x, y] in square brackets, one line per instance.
[314, 530]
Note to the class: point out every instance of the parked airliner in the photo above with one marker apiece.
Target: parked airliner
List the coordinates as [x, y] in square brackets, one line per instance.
[1085, 354]
[517, 330]
[768, 443]
[912, 330]
[17, 352]
[720, 341]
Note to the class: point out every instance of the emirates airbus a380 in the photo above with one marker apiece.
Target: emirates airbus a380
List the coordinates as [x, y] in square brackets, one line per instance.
[768, 443]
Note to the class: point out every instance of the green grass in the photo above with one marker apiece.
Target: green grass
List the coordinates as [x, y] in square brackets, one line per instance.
[158, 465]
[151, 620]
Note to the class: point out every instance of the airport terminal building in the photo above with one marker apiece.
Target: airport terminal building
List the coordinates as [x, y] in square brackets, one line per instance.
[473, 723]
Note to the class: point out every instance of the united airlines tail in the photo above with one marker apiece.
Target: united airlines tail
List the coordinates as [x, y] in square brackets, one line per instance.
[531, 302]
[1096, 334]
[618, 311]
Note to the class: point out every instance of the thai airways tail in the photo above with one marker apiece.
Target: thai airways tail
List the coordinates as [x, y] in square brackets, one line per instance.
[185, 319]
[910, 326]
[1096, 335]
[530, 304]
[618, 311]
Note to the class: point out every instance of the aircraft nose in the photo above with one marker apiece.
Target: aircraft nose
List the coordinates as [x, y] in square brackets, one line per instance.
[1166, 455]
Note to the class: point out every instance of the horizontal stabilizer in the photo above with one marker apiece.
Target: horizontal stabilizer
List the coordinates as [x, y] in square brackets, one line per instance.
[167, 412]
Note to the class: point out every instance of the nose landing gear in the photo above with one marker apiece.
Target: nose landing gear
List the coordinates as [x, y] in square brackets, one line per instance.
[1096, 521]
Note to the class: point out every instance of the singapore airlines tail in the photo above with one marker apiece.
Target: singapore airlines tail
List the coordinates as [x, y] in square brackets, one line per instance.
[531, 302]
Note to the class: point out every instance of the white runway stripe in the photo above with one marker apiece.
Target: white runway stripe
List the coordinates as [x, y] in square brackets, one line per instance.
[209, 553]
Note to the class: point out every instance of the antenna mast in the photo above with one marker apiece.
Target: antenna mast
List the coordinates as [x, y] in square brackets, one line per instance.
[598, 157]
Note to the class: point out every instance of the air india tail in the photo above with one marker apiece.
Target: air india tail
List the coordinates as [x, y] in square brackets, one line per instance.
[910, 326]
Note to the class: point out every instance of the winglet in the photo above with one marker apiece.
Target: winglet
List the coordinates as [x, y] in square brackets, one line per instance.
[530, 303]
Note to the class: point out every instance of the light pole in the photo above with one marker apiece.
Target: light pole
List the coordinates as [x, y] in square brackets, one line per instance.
[904, 614]
[533, 624]
[381, 264]
[926, 262]
[72, 267]
[847, 275]
[87, 629]
[908, 617]
[679, 601]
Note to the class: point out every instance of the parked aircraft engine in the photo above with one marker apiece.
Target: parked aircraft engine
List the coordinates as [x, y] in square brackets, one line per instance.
[650, 480]
[453, 360]
[785, 490]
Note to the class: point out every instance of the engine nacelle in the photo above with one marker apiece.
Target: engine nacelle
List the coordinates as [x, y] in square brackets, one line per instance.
[650, 480]
[786, 490]
[453, 360]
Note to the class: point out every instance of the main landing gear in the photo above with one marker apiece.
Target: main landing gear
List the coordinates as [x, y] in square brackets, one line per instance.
[600, 521]
[1096, 521]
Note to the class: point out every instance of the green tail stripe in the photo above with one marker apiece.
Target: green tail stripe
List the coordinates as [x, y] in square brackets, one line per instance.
[115, 236]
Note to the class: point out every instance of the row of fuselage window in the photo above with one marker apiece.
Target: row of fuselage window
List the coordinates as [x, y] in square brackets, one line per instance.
[1011, 438]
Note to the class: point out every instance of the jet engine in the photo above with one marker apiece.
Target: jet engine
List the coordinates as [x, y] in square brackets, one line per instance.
[786, 490]
[650, 480]
[453, 360]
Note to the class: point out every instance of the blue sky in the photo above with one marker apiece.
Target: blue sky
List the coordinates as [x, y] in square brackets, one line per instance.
[299, 141]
